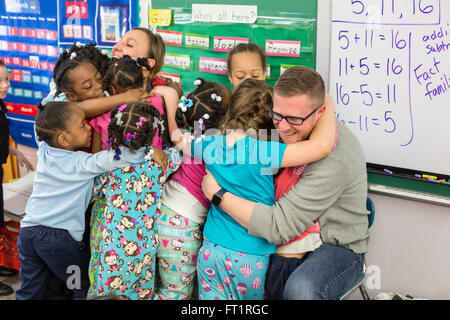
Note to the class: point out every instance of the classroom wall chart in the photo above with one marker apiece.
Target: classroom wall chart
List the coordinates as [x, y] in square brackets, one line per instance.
[33, 33]
[200, 34]
[390, 77]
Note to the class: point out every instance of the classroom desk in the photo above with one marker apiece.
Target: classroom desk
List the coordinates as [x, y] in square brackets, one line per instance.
[15, 197]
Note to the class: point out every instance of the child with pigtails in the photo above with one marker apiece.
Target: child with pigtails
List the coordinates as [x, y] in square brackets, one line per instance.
[123, 75]
[126, 261]
[50, 240]
[232, 263]
[184, 207]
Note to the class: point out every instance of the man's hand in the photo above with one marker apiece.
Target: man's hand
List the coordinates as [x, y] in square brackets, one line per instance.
[209, 185]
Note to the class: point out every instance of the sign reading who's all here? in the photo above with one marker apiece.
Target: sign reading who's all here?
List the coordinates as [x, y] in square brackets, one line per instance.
[216, 13]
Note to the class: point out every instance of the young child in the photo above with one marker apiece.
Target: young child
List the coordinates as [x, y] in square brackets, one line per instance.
[232, 263]
[246, 60]
[52, 228]
[5, 150]
[128, 245]
[78, 77]
[184, 207]
[122, 75]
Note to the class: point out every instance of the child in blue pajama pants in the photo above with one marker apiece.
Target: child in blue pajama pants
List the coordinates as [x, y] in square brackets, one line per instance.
[243, 164]
[230, 275]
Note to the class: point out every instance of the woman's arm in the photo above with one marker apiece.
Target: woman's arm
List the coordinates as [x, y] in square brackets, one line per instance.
[320, 142]
[171, 101]
[178, 87]
[170, 97]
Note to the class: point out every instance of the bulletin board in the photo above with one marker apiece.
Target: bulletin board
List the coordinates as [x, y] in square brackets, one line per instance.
[200, 49]
[32, 35]
[390, 77]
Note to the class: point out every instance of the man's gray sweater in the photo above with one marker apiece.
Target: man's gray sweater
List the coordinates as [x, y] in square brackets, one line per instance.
[333, 189]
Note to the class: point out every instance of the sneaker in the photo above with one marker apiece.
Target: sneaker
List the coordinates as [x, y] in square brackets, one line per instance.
[7, 272]
[5, 290]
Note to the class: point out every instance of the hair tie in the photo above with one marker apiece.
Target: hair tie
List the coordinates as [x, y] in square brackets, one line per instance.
[149, 154]
[129, 137]
[141, 121]
[123, 107]
[185, 104]
[117, 155]
[73, 55]
[216, 97]
[53, 88]
[118, 116]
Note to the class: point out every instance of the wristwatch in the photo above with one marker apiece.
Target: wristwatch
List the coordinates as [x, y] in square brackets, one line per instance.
[217, 197]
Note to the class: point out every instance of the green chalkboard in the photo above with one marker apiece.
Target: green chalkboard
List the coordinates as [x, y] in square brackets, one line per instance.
[281, 21]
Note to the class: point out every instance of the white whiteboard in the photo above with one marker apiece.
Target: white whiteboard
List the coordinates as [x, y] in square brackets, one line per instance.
[390, 77]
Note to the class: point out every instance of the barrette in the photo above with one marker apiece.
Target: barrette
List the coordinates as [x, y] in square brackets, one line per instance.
[118, 116]
[216, 97]
[185, 104]
[141, 121]
[149, 154]
[129, 137]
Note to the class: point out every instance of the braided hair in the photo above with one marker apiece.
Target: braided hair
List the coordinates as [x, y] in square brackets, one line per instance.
[206, 105]
[133, 125]
[51, 119]
[125, 73]
[72, 58]
[249, 104]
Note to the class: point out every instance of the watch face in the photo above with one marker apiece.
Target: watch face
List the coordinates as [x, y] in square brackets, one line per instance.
[216, 200]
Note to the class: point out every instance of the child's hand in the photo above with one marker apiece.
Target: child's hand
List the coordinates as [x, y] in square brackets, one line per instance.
[23, 162]
[160, 157]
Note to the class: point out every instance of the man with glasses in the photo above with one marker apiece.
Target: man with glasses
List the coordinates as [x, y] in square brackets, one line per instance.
[332, 191]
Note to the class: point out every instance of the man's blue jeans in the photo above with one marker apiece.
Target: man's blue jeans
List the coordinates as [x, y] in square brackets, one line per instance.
[323, 274]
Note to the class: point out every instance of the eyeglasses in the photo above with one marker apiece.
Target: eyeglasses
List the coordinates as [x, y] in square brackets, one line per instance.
[291, 120]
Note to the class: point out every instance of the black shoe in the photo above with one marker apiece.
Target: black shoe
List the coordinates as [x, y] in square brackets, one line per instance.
[7, 272]
[5, 290]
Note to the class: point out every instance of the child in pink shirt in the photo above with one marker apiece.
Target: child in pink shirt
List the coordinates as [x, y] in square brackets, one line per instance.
[184, 206]
[122, 75]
